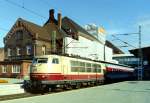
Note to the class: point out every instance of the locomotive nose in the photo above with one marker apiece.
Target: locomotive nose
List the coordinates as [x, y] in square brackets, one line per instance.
[33, 68]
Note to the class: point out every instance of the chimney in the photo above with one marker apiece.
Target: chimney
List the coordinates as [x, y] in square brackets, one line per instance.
[59, 20]
[51, 16]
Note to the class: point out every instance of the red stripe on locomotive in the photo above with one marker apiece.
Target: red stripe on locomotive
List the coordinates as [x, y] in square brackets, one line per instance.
[59, 76]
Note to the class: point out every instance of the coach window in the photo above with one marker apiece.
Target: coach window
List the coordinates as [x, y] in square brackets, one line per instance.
[98, 68]
[55, 61]
[82, 67]
[94, 68]
[88, 67]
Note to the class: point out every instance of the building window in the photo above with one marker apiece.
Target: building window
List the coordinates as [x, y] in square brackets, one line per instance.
[16, 69]
[53, 43]
[43, 50]
[4, 69]
[9, 52]
[18, 51]
[29, 48]
[19, 35]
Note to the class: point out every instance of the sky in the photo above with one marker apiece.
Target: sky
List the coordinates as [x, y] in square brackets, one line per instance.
[116, 16]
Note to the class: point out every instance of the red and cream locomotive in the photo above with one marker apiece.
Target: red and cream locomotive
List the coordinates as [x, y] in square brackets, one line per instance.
[55, 70]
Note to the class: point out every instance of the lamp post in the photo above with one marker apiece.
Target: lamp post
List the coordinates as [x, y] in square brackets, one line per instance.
[140, 55]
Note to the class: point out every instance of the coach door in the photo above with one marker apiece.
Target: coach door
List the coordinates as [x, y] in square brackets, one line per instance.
[64, 68]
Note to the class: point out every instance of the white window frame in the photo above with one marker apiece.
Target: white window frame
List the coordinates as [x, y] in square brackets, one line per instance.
[9, 52]
[4, 68]
[16, 68]
[28, 48]
[43, 50]
[18, 49]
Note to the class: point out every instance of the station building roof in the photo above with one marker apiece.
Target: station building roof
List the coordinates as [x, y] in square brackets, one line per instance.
[145, 52]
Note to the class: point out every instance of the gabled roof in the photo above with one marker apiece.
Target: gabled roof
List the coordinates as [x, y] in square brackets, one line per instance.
[43, 31]
[80, 30]
[145, 52]
[74, 24]
[33, 28]
[37, 29]
[116, 50]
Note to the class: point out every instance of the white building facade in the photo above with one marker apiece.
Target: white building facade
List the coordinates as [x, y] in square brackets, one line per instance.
[92, 46]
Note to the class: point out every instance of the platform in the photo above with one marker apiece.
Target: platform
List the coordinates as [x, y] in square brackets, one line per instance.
[124, 92]
[12, 87]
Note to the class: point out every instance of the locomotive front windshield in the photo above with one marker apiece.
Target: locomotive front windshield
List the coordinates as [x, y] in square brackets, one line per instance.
[40, 60]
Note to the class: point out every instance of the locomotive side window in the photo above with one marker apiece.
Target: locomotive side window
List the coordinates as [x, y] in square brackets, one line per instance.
[82, 67]
[74, 66]
[88, 67]
[94, 68]
[98, 68]
[55, 61]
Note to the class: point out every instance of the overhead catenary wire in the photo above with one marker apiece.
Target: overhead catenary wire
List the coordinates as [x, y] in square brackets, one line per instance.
[25, 8]
[123, 41]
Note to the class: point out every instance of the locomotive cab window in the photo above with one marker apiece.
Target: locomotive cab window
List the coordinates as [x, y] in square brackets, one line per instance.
[40, 60]
[55, 61]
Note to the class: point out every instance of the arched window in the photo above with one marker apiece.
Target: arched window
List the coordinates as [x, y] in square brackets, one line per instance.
[19, 35]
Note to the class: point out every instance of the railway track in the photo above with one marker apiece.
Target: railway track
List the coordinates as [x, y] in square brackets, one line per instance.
[17, 96]
[27, 94]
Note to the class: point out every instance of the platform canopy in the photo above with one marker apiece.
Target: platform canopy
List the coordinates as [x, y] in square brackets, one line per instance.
[145, 52]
